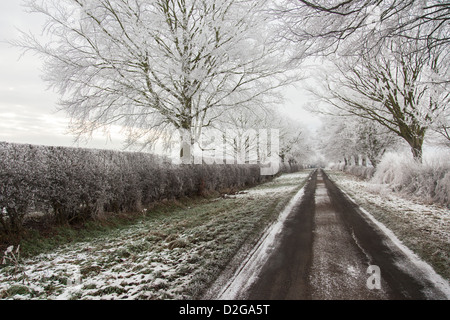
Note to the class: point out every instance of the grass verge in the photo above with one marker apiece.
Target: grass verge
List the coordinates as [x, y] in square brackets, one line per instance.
[173, 251]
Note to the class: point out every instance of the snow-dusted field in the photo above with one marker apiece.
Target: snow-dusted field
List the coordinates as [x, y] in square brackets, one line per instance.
[423, 228]
[172, 255]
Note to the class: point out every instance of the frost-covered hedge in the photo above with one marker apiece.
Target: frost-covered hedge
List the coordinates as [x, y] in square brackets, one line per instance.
[359, 171]
[74, 183]
[430, 180]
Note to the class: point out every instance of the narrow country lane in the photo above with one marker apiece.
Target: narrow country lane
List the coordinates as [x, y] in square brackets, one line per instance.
[339, 266]
[330, 249]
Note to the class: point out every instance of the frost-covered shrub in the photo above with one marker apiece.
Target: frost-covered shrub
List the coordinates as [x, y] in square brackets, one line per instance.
[361, 171]
[79, 184]
[341, 166]
[442, 193]
[429, 180]
[19, 179]
[287, 167]
[74, 184]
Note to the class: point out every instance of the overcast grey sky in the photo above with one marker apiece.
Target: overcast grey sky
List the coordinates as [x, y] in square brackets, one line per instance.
[28, 110]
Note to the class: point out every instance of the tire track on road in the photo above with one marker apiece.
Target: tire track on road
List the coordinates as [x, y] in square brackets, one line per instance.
[324, 249]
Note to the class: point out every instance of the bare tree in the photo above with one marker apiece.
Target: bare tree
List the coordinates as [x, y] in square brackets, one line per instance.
[442, 128]
[338, 139]
[156, 66]
[324, 27]
[373, 140]
[399, 88]
[354, 140]
[444, 131]
[240, 130]
[247, 134]
[293, 141]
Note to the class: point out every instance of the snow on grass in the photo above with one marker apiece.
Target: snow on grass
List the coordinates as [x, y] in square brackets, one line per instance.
[423, 228]
[165, 255]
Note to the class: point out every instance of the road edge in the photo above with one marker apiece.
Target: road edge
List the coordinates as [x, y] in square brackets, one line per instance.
[427, 270]
[244, 265]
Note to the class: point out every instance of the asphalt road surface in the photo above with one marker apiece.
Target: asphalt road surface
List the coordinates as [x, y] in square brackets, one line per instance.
[329, 249]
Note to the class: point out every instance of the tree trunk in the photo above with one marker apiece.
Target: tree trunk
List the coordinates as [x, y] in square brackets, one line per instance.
[356, 158]
[374, 161]
[364, 161]
[417, 152]
[416, 144]
[186, 147]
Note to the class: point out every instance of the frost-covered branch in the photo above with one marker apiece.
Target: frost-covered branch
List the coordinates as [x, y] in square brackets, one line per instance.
[325, 27]
[145, 65]
[400, 88]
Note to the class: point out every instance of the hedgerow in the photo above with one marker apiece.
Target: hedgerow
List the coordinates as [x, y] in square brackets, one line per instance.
[429, 181]
[73, 184]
